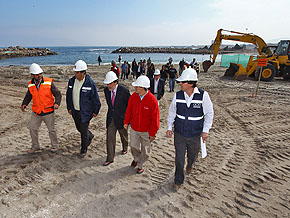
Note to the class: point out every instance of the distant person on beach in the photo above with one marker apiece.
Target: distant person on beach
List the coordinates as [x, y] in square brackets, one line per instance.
[144, 67]
[115, 68]
[192, 63]
[191, 112]
[139, 69]
[172, 74]
[163, 73]
[134, 68]
[99, 60]
[128, 71]
[151, 71]
[143, 115]
[157, 85]
[117, 97]
[149, 62]
[181, 66]
[46, 98]
[83, 103]
[120, 60]
[124, 71]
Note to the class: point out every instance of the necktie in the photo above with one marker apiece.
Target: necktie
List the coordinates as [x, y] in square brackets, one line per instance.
[113, 98]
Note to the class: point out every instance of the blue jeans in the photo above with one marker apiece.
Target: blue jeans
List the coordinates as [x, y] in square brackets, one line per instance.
[171, 84]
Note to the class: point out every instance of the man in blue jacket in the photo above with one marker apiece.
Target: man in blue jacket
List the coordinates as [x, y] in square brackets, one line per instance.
[83, 103]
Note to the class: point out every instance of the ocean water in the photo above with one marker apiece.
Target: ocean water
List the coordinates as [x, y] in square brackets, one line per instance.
[69, 55]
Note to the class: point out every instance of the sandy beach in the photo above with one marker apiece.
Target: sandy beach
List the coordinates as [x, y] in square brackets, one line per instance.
[246, 172]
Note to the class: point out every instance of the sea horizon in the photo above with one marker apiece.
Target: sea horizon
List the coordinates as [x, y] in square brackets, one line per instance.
[68, 55]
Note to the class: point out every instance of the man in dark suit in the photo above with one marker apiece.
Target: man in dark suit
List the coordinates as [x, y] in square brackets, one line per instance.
[157, 85]
[117, 97]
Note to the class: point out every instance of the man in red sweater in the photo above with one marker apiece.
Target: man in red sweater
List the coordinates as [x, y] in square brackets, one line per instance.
[143, 115]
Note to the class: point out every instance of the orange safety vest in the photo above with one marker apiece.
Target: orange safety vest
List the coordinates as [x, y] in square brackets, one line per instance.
[43, 99]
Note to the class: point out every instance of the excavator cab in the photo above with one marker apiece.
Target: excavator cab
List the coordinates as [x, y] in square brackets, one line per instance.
[283, 56]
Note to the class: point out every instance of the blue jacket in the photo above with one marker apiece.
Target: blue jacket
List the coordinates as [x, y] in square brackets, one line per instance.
[89, 98]
[189, 120]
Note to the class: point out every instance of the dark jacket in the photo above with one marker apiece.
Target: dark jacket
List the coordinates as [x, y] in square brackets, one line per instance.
[117, 113]
[160, 88]
[89, 98]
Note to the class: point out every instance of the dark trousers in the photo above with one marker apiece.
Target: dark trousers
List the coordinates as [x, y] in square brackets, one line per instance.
[82, 127]
[111, 140]
[183, 145]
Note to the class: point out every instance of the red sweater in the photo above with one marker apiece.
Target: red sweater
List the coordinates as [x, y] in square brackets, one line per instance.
[143, 115]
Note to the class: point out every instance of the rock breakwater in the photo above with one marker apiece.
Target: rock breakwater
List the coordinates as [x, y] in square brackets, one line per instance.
[185, 50]
[18, 51]
[180, 50]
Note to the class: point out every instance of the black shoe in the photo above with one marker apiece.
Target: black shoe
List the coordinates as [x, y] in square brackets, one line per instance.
[90, 140]
[82, 154]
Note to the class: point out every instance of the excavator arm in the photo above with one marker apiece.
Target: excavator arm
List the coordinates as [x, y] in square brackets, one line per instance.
[241, 37]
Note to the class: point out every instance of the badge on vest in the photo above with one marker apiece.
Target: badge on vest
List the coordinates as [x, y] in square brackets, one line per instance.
[196, 105]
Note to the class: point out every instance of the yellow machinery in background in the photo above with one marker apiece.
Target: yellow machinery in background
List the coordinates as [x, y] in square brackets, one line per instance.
[277, 63]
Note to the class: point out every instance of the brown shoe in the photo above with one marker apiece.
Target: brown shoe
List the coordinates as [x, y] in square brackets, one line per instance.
[188, 170]
[133, 164]
[140, 170]
[107, 163]
[176, 186]
[33, 150]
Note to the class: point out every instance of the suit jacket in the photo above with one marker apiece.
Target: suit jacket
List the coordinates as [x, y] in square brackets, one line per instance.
[117, 113]
[160, 88]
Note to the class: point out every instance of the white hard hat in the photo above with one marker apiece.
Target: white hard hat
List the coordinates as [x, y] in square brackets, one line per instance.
[142, 81]
[188, 75]
[157, 72]
[35, 69]
[80, 65]
[110, 77]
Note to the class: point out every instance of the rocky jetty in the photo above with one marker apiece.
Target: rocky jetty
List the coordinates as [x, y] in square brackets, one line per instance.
[183, 50]
[18, 51]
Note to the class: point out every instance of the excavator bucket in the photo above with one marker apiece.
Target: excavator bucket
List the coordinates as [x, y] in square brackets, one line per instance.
[241, 74]
[206, 65]
[232, 70]
[237, 71]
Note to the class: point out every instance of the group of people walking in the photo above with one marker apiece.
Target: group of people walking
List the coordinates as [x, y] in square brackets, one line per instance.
[190, 113]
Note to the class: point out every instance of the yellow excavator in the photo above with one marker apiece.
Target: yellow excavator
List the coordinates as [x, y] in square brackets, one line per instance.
[278, 63]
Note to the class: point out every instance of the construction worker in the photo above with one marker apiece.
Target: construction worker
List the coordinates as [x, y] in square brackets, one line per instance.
[46, 98]
[143, 115]
[117, 97]
[83, 103]
[191, 112]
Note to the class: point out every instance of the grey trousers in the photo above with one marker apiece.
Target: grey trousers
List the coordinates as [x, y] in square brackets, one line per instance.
[111, 140]
[140, 147]
[183, 145]
[34, 124]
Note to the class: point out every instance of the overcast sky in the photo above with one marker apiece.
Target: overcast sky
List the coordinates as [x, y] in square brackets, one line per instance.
[138, 23]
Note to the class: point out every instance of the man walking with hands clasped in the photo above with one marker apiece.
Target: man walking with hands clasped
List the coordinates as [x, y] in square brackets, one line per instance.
[83, 103]
[191, 112]
[143, 116]
[117, 97]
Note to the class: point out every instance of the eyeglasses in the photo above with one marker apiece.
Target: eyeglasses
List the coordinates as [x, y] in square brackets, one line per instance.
[182, 82]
